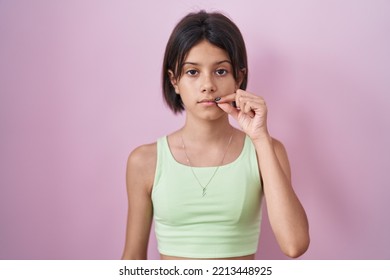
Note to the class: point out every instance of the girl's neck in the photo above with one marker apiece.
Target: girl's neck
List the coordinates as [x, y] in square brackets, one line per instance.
[207, 131]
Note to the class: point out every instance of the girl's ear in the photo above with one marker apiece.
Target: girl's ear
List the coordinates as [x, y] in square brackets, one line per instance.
[240, 78]
[173, 80]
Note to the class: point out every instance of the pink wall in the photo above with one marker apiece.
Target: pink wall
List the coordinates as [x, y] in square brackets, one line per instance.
[80, 88]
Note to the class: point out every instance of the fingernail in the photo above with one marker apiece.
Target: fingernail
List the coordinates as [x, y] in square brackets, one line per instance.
[217, 99]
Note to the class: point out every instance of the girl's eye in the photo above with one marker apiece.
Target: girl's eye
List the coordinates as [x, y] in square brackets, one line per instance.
[192, 72]
[221, 72]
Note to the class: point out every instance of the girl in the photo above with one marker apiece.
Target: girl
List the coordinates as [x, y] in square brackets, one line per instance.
[203, 184]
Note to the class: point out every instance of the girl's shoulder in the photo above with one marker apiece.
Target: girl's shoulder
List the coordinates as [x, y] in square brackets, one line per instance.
[141, 166]
[144, 155]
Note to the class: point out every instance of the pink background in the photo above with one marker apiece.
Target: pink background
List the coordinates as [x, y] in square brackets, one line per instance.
[80, 88]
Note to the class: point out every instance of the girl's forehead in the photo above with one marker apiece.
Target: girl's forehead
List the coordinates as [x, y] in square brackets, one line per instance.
[204, 51]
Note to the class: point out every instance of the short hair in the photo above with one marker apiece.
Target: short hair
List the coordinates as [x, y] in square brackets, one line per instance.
[218, 30]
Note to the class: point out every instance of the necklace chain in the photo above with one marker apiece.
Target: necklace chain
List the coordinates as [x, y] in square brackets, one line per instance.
[215, 170]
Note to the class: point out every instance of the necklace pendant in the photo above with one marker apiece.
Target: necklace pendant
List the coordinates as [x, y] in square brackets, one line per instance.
[215, 171]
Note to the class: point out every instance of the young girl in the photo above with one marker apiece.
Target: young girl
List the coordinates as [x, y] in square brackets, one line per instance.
[203, 184]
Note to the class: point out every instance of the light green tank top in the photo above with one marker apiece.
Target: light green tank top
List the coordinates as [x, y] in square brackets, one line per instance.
[223, 223]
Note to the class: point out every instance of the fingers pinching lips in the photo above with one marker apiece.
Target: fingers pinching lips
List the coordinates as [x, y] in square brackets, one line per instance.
[232, 100]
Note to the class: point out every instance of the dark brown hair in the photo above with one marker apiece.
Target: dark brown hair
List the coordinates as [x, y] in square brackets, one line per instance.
[193, 28]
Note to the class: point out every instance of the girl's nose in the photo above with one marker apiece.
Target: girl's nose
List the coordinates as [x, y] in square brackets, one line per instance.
[208, 85]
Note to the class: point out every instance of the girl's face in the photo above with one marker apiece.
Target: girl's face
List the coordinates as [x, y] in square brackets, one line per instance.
[207, 74]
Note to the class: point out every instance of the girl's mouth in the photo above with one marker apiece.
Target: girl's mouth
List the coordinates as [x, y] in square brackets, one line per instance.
[207, 102]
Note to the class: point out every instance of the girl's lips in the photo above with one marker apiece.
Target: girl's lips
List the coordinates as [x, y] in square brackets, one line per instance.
[208, 103]
[206, 100]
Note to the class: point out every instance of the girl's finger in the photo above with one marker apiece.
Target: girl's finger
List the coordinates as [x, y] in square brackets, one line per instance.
[228, 108]
[226, 99]
[256, 102]
[247, 109]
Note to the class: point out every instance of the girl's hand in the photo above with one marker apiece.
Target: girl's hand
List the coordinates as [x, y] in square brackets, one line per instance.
[251, 112]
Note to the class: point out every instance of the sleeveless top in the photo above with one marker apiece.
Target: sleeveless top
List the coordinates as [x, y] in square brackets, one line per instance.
[223, 223]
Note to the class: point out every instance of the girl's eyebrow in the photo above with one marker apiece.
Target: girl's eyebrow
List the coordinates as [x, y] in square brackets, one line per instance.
[197, 64]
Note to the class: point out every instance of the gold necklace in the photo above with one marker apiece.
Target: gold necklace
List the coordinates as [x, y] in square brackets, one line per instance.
[215, 171]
